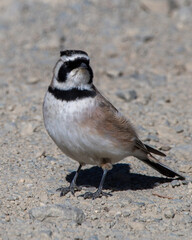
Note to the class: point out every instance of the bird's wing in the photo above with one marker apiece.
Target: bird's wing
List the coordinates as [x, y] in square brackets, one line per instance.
[109, 123]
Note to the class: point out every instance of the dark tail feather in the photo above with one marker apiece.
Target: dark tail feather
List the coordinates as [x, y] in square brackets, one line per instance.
[155, 151]
[154, 163]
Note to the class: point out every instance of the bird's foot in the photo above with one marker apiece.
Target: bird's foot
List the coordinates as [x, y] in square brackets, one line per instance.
[94, 195]
[72, 188]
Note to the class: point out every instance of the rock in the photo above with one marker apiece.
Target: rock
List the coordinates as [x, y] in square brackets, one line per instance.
[152, 137]
[184, 14]
[26, 129]
[157, 7]
[187, 219]
[179, 129]
[145, 35]
[152, 79]
[128, 96]
[169, 213]
[121, 94]
[45, 235]
[140, 35]
[182, 151]
[185, 182]
[11, 108]
[33, 80]
[94, 237]
[113, 73]
[40, 153]
[186, 169]
[164, 185]
[165, 148]
[43, 197]
[131, 32]
[132, 95]
[7, 219]
[56, 212]
[12, 198]
[126, 213]
[173, 5]
[140, 204]
[175, 183]
[9, 126]
[137, 226]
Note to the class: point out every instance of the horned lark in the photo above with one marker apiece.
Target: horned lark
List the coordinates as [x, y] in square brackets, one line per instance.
[86, 126]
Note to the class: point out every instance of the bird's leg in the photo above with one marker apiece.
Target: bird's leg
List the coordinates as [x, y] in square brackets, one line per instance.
[99, 191]
[73, 187]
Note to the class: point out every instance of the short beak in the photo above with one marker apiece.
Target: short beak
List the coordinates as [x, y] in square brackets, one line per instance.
[83, 66]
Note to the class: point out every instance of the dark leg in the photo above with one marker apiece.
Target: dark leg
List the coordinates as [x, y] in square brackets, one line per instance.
[73, 187]
[99, 191]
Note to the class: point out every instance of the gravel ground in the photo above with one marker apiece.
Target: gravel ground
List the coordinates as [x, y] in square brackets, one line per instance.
[142, 59]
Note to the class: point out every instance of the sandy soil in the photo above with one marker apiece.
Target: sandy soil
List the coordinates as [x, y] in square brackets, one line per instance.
[142, 60]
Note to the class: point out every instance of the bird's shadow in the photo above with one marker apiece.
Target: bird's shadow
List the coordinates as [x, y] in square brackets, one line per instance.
[118, 179]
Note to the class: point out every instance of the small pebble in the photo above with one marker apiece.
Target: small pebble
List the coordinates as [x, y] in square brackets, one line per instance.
[114, 73]
[13, 198]
[175, 183]
[126, 213]
[94, 237]
[165, 148]
[169, 213]
[179, 129]
[187, 219]
[45, 235]
[7, 218]
[33, 80]
[127, 95]
[186, 168]
[185, 182]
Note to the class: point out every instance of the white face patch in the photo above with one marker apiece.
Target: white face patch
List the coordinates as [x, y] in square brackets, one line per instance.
[77, 78]
[57, 67]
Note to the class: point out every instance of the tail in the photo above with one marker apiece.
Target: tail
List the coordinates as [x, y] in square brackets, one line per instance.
[149, 159]
[161, 168]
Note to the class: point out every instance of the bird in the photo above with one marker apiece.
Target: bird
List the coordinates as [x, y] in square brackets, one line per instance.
[86, 127]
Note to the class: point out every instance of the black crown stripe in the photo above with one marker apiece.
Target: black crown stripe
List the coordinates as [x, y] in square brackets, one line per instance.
[71, 94]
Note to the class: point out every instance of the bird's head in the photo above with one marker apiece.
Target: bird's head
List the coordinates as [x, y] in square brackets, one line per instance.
[72, 70]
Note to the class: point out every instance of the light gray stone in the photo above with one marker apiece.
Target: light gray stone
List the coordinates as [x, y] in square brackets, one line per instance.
[55, 212]
[128, 96]
[169, 213]
[175, 183]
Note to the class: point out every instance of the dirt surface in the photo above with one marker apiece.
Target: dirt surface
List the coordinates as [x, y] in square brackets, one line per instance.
[141, 54]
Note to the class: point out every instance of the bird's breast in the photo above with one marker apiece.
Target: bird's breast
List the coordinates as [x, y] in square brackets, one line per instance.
[63, 122]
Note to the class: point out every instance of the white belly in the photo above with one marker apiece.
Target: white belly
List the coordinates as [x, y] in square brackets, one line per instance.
[62, 121]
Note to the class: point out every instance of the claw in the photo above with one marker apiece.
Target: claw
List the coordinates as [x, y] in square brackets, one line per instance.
[72, 188]
[63, 190]
[75, 188]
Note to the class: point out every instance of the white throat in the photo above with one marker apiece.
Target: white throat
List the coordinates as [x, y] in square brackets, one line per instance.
[68, 86]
